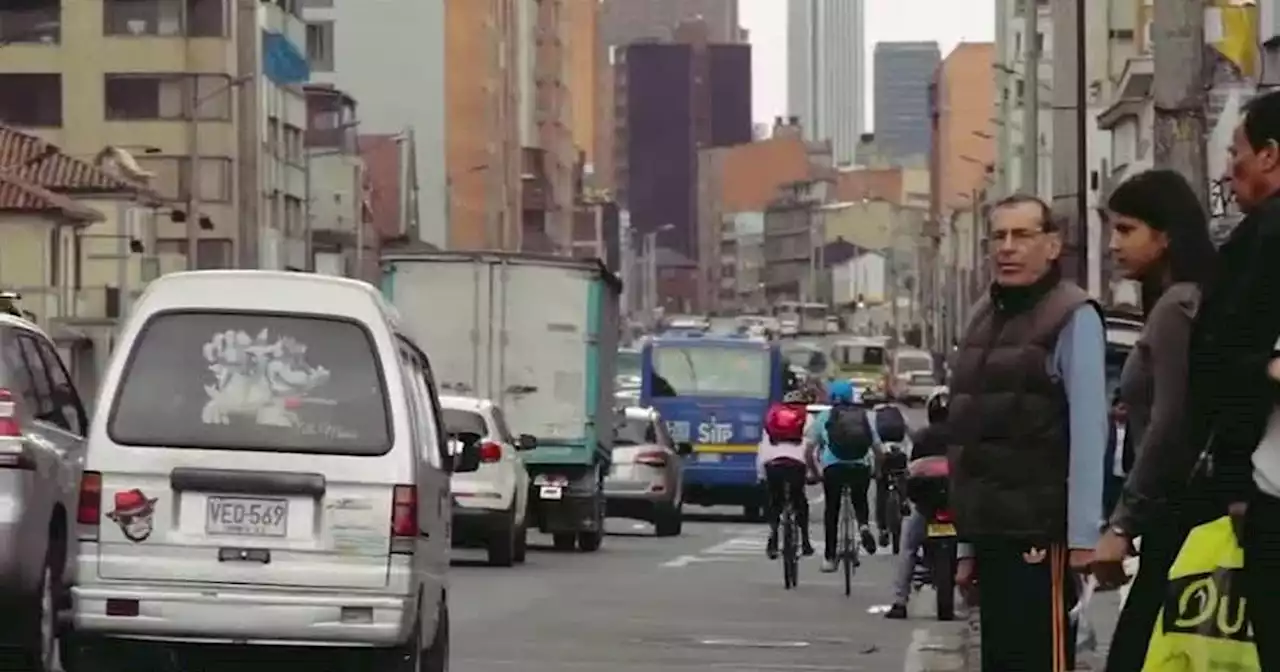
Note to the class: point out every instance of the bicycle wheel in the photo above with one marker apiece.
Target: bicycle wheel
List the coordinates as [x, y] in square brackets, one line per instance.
[848, 547]
[893, 518]
[790, 554]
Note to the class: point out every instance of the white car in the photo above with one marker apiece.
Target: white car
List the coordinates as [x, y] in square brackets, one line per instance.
[489, 504]
[266, 472]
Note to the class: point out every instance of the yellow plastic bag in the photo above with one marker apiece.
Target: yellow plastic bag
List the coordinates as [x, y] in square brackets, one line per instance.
[1202, 627]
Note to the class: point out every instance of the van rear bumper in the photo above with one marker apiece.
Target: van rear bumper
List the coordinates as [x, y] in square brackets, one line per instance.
[244, 617]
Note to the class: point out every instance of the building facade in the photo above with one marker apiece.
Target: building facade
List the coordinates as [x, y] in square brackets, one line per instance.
[672, 100]
[826, 84]
[792, 236]
[964, 149]
[161, 82]
[346, 43]
[627, 21]
[903, 72]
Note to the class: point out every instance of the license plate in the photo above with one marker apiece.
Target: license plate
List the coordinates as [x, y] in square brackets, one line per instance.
[708, 457]
[942, 530]
[246, 517]
[551, 492]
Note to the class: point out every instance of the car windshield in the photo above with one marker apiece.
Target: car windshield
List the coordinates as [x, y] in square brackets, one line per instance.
[457, 422]
[914, 364]
[810, 359]
[253, 381]
[711, 371]
[634, 432]
[859, 355]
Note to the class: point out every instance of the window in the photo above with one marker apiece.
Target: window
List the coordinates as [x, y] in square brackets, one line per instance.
[1019, 87]
[293, 215]
[47, 408]
[172, 177]
[326, 394]
[31, 21]
[212, 253]
[135, 97]
[713, 371]
[68, 405]
[163, 18]
[14, 370]
[463, 422]
[292, 144]
[31, 99]
[320, 45]
[859, 355]
[634, 432]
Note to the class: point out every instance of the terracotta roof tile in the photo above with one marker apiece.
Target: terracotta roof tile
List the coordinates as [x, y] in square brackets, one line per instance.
[36, 163]
[19, 194]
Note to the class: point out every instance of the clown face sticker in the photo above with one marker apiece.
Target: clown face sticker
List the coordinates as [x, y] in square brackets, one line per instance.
[133, 513]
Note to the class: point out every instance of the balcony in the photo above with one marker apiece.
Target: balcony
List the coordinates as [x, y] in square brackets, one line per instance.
[164, 18]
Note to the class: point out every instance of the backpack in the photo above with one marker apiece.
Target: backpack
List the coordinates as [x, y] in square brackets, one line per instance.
[849, 435]
[785, 423]
[891, 427]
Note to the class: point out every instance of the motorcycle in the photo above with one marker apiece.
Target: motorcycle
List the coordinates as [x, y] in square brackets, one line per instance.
[927, 484]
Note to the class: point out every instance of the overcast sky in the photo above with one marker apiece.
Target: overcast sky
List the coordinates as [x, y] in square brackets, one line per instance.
[946, 21]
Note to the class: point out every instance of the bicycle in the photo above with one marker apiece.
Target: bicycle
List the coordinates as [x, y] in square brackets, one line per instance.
[895, 507]
[790, 549]
[848, 550]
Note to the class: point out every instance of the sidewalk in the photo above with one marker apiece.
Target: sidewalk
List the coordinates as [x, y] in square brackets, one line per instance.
[956, 647]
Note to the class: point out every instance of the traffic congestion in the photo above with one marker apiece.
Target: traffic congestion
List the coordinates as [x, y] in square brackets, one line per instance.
[283, 466]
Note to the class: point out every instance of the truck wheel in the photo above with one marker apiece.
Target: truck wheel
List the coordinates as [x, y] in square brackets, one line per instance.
[564, 541]
[668, 520]
[589, 542]
[502, 545]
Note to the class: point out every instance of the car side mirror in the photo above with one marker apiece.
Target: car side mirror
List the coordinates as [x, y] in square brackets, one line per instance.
[684, 448]
[526, 442]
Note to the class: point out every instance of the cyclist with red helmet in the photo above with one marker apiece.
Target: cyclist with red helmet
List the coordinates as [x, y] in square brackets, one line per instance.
[780, 463]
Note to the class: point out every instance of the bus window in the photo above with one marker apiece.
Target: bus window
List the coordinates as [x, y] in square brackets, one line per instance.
[859, 355]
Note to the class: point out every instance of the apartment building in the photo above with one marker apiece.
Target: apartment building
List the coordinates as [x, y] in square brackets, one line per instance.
[587, 61]
[964, 145]
[661, 88]
[553, 111]
[826, 84]
[627, 21]
[403, 88]
[903, 72]
[166, 80]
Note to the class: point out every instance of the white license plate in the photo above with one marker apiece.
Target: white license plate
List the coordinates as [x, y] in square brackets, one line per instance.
[246, 517]
[708, 457]
[551, 492]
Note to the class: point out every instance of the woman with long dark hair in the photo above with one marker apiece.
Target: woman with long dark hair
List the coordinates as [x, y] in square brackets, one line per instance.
[1160, 238]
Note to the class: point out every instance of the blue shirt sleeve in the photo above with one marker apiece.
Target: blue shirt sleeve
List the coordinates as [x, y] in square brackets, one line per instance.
[1080, 360]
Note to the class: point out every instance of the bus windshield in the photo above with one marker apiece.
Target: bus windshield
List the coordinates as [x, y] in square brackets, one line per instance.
[858, 355]
[709, 371]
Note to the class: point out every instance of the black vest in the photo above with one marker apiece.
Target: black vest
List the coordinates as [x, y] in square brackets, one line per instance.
[1008, 425]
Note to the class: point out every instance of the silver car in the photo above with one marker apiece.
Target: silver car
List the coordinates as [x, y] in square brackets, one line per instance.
[645, 476]
[42, 426]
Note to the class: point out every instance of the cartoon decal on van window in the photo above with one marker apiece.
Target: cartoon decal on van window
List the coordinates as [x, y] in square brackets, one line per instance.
[133, 513]
[260, 378]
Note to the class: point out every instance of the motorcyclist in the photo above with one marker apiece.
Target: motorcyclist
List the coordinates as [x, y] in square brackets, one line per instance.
[929, 441]
[854, 469]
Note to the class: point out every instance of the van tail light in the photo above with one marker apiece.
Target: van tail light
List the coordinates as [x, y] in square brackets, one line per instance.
[89, 506]
[404, 518]
[9, 426]
[943, 516]
[653, 458]
[490, 452]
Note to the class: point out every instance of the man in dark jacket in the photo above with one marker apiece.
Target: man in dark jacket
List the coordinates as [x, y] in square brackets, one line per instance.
[1231, 396]
[1028, 428]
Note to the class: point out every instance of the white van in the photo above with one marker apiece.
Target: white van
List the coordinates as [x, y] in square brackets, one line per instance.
[266, 467]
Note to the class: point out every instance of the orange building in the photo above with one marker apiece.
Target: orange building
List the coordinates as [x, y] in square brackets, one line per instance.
[964, 138]
[483, 153]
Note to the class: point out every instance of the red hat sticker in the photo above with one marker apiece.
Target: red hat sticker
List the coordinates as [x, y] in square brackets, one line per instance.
[134, 513]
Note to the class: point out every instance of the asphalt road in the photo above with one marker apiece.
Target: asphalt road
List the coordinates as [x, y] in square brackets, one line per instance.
[706, 601]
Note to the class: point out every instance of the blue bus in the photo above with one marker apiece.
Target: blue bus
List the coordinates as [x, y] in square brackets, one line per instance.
[713, 392]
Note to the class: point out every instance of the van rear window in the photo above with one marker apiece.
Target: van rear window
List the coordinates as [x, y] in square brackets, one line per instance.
[253, 381]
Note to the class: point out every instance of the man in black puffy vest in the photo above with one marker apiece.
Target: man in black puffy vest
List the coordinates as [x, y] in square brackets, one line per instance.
[1028, 429]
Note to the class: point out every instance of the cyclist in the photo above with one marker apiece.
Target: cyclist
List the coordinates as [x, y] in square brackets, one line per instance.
[780, 463]
[929, 441]
[843, 440]
[891, 427]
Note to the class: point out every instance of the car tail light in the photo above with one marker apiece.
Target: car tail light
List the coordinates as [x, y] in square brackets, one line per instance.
[404, 515]
[943, 516]
[490, 452]
[89, 507]
[653, 458]
[9, 426]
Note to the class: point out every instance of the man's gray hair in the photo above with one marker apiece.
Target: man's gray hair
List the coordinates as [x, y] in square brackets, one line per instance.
[1047, 220]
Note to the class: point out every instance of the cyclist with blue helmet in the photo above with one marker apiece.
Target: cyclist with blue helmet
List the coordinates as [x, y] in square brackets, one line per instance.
[843, 443]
